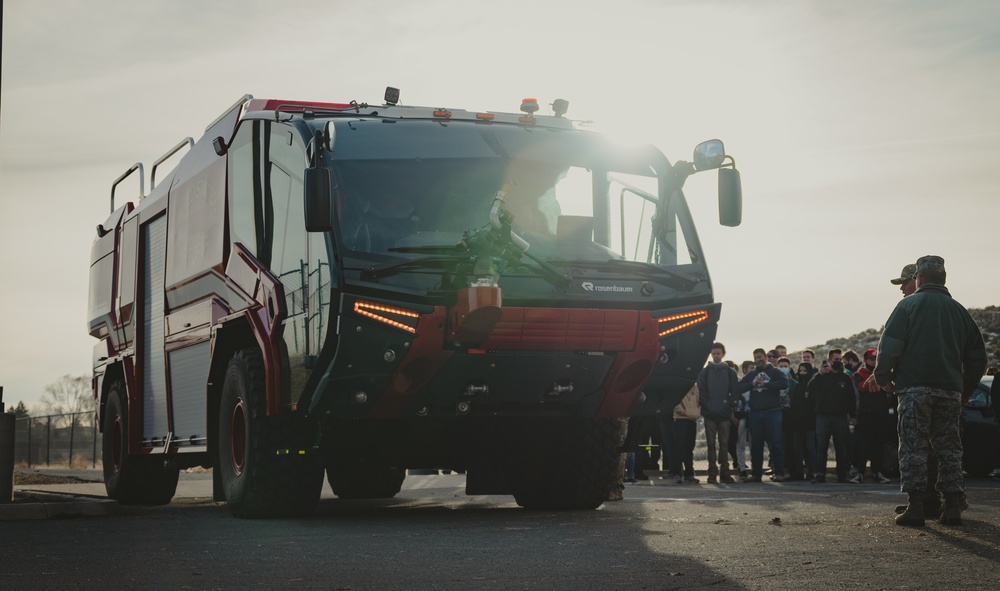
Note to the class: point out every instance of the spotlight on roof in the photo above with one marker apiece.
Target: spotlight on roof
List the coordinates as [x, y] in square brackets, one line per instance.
[391, 95]
[560, 106]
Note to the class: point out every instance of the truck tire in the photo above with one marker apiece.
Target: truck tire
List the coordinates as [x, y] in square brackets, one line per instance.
[259, 478]
[365, 482]
[564, 464]
[129, 479]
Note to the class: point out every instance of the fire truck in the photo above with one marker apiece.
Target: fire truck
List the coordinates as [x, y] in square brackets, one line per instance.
[345, 291]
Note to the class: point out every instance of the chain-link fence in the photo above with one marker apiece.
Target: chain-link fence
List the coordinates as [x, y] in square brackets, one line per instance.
[69, 440]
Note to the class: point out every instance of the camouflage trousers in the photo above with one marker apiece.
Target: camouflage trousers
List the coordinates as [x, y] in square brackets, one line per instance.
[929, 421]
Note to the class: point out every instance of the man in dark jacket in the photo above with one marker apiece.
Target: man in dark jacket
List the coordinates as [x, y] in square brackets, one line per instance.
[932, 354]
[834, 396]
[717, 384]
[802, 418]
[765, 384]
[995, 403]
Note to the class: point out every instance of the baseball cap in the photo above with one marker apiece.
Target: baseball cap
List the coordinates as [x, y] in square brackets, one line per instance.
[870, 353]
[906, 274]
[930, 263]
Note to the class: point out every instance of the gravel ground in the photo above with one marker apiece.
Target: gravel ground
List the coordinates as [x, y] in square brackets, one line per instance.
[37, 477]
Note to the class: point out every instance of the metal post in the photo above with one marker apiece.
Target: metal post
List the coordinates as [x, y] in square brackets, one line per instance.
[48, 439]
[93, 453]
[7, 426]
[72, 432]
[30, 421]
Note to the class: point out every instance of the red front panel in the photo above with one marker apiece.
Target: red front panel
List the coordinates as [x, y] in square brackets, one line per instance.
[567, 329]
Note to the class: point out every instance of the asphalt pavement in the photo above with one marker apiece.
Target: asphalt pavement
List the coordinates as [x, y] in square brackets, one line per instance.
[88, 496]
[768, 536]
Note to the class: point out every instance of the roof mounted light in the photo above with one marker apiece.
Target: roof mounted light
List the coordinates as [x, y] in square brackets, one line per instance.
[391, 95]
[529, 105]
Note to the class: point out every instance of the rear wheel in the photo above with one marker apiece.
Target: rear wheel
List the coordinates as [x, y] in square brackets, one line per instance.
[362, 481]
[132, 479]
[262, 470]
[564, 464]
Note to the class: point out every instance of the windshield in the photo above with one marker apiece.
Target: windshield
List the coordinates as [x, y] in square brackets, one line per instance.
[404, 186]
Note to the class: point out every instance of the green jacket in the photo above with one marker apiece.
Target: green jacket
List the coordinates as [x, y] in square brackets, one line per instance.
[931, 340]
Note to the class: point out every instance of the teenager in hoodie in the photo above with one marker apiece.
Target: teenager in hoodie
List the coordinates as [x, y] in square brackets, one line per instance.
[717, 384]
[764, 384]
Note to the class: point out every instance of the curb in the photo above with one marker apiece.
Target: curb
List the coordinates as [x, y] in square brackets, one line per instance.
[51, 505]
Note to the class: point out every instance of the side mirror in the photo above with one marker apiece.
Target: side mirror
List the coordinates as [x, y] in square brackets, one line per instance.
[318, 189]
[730, 197]
[709, 155]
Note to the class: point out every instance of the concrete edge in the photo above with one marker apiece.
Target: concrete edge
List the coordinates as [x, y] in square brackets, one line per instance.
[51, 505]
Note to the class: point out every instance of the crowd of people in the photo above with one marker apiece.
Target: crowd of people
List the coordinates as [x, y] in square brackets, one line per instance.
[763, 403]
[931, 355]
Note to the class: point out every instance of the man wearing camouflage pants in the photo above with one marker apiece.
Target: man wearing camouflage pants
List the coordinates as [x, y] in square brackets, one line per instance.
[933, 355]
[907, 282]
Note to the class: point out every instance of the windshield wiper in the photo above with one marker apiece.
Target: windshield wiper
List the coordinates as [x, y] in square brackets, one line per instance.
[451, 249]
[469, 249]
[445, 263]
[548, 271]
[688, 281]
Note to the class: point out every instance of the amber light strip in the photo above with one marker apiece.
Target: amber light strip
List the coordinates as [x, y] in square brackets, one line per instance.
[696, 317]
[368, 310]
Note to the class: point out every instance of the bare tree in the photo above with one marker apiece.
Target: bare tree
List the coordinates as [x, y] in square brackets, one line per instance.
[68, 395]
[20, 411]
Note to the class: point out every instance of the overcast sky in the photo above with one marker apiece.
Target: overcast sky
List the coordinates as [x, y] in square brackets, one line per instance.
[867, 133]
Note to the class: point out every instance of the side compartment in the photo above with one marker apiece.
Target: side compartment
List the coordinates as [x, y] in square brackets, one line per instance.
[153, 367]
[188, 377]
[128, 251]
[189, 359]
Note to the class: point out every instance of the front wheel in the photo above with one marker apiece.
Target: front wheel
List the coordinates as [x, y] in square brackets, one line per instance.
[132, 479]
[264, 471]
[564, 464]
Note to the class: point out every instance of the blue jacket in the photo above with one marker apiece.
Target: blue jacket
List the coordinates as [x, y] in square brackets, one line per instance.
[769, 397]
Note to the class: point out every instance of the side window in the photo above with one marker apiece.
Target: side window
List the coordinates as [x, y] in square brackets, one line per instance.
[286, 166]
[244, 188]
[631, 210]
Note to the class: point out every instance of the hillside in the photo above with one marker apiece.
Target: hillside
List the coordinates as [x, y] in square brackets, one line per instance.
[988, 319]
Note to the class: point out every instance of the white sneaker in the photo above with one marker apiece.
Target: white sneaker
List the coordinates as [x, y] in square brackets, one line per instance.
[882, 478]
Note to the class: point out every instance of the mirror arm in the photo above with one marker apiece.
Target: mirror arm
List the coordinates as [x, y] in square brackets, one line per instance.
[316, 159]
[680, 171]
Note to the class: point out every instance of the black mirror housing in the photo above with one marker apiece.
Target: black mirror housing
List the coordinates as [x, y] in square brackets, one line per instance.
[730, 197]
[318, 189]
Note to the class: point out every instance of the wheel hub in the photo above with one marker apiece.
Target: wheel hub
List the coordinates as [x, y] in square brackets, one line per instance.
[238, 438]
[117, 439]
